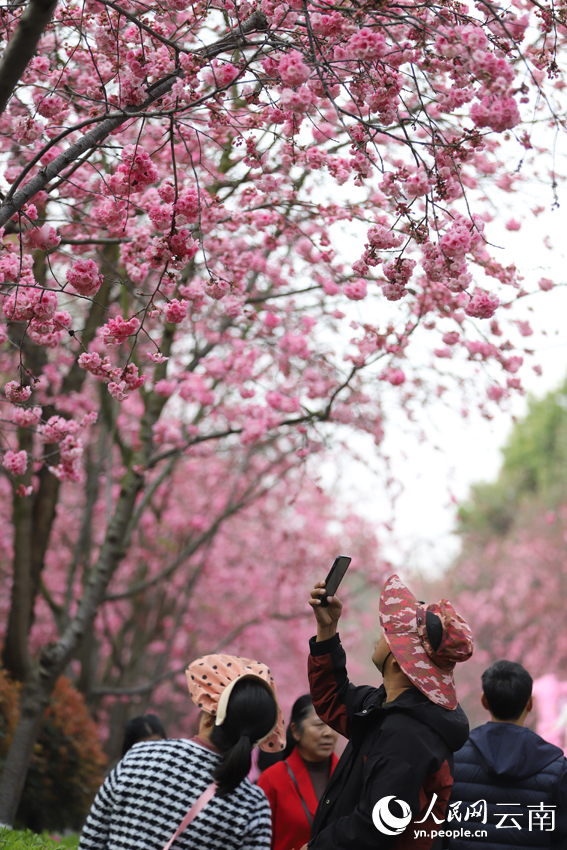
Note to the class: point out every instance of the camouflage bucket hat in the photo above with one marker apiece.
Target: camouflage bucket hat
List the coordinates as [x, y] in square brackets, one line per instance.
[426, 641]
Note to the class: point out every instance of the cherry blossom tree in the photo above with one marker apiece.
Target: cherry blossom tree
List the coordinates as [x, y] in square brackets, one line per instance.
[243, 226]
[230, 573]
[551, 706]
[510, 578]
[510, 590]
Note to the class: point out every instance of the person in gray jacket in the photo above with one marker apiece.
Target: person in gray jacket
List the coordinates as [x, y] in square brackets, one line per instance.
[510, 787]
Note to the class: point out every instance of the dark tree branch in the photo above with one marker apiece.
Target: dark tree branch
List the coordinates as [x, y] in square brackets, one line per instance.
[22, 46]
[148, 687]
[236, 39]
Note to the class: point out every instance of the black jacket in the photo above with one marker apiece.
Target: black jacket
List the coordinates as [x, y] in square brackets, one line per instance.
[402, 749]
[511, 768]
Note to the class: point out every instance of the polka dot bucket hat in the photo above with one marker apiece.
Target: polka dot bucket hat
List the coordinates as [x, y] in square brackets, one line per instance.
[211, 679]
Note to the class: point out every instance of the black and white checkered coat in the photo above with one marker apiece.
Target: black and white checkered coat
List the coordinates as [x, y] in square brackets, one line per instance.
[147, 795]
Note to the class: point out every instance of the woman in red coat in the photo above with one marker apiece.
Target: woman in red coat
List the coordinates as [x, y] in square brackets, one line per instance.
[295, 786]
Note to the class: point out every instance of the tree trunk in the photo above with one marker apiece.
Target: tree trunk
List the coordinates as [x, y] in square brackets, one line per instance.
[23, 45]
[15, 656]
[34, 700]
[55, 657]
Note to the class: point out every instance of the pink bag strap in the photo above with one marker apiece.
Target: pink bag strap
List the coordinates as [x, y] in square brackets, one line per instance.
[202, 801]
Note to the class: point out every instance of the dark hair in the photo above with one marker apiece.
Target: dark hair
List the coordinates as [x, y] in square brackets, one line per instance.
[302, 708]
[507, 687]
[139, 728]
[250, 715]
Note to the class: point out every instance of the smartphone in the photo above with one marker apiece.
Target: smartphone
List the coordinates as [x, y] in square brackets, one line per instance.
[336, 575]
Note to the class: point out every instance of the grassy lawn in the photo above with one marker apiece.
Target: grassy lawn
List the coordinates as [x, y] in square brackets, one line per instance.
[11, 839]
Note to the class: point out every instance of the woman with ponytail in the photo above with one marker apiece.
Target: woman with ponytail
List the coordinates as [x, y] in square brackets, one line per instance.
[295, 786]
[194, 794]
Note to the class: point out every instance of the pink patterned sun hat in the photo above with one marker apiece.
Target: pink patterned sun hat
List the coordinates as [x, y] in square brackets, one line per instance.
[426, 642]
[211, 679]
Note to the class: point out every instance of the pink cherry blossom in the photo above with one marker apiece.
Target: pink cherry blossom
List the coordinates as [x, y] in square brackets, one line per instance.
[84, 277]
[175, 254]
[292, 69]
[394, 376]
[16, 393]
[117, 331]
[15, 462]
[482, 305]
[367, 44]
[499, 113]
[495, 392]
[356, 290]
[176, 310]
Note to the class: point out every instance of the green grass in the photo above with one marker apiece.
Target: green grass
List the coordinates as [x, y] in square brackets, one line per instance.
[13, 839]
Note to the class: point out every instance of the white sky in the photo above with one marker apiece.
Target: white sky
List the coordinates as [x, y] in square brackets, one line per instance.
[459, 452]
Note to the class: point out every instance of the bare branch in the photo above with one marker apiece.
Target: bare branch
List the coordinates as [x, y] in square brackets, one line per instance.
[256, 22]
[148, 687]
[22, 46]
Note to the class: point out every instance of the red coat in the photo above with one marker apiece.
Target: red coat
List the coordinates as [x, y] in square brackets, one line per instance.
[290, 827]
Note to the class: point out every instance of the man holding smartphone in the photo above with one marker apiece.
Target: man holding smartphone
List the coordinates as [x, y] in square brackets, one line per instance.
[396, 770]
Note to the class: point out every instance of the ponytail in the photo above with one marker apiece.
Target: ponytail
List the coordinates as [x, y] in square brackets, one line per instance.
[251, 714]
[235, 765]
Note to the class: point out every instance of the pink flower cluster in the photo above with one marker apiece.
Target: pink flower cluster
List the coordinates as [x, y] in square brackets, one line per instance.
[497, 113]
[418, 184]
[15, 462]
[23, 417]
[458, 240]
[116, 331]
[297, 100]
[38, 307]
[26, 130]
[125, 380]
[367, 44]
[393, 375]
[30, 302]
[194, 388]
[182, 245]
[135, 173]
[381, 236]
[109, 214]
[63, 433]
[293, 70]
[176, 310]
[220, 74]
[332, 24]
[84, 277]
[187, 206]
[495, 392]
[120, 381]
[70, 454]
[50, 332]
[356, 290]
[482, 305]
[16, 393]
[14, 267]
[284, 403]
